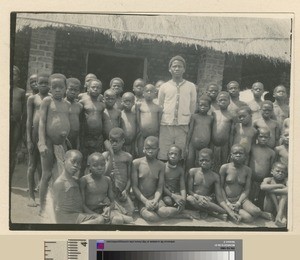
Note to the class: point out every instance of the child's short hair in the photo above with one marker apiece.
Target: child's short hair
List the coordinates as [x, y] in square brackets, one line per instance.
[95, 155]
[90, 75]
[58, 76]
[69, 153]
[265, 130]
[246, 108]
[109, 92]
[137, 80]
[73, 81]
[150, 85]
[223, 93]
[206, 98]
[275, 164]
[116, 131]
[177, 147]
[238, 145]
[118, 79]
[92, 80]
[279, 86]
[207, 151]
[152, 139]
[266, 102]
[179, 58]
[213, 84]
[232, 83]
[42, 75]
[257, 83]
[128, 94]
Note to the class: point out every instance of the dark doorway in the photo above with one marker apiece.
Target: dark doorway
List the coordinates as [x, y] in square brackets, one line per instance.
[107, 66]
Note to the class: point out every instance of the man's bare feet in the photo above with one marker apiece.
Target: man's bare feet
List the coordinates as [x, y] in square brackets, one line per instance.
[32, 203]
[267, 216]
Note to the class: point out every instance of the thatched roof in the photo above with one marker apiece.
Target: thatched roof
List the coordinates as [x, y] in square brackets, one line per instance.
[265, 37]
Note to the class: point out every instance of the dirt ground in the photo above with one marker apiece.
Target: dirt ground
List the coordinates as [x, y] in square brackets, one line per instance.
[20, 213]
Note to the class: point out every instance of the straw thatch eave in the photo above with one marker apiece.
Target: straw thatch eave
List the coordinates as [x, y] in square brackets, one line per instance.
[264, 37]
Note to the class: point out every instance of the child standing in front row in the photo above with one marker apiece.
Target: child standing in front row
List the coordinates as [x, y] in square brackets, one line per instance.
[111, 115]
[199, 134]
[129, 122]
[148, 118]
[267, 122]
[119, 170]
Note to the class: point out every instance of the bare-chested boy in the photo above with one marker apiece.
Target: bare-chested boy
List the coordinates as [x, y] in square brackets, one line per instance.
[148, 117]
[222, 130]
[111, 115]
[280, 105]
[235, 185]
[205, 191]
[92, 127]
[129, 122]
[117, 85]
[148, 181]
[243, 132]
[138, 90]
[233, 89]
[174, 192]
[87, 79]
[32, 132]
[67, 199]
[97, 192]
[17, 117]
[200, 130]
[33, 85]
[54, 127]
[73, 89]
[212, 91]
[267, 122]
[276, 191]
[119, 170]
[261, 159]
[255, 104]
[282, 151]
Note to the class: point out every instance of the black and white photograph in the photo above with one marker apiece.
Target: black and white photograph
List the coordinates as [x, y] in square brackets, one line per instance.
[150, 121]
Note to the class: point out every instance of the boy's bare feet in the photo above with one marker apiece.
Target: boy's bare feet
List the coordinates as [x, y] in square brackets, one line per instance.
[32, 203]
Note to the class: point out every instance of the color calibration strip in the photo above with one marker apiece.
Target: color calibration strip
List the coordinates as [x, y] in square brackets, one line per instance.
[165, 255]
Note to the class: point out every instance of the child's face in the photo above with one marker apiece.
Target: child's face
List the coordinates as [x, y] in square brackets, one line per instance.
[205, 161]
[95, 89]
[117, 86]
[212, 92]
[174, 156]
[263, 138]
[110, 99]
[244, 117]
[279, 172]
[280, 93]
[257, 90]
[43, 85]
[73, 91]
[151, 149]
[203, 106]
[223, 102]
[138, 88]
[116, 143]
[33, 84]
[233, 90]
[58, 88]
[149, 93]
[73, 164]
[285, 137]
[97, 166]
[87, 80]
[238, 154]
[177, 69]
[266, 111]
[127, 103]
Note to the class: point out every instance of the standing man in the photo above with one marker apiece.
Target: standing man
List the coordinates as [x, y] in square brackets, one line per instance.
[178, 99]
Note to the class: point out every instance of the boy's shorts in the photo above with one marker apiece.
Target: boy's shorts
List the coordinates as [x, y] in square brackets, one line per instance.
[169, 135]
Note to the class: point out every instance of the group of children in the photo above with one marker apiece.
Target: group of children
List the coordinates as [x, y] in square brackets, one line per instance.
[234, 165]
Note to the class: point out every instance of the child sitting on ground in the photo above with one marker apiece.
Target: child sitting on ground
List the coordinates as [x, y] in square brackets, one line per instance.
[67, 200]
[97, 192]
[276, 191]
